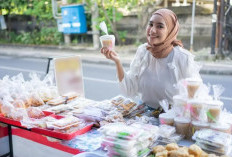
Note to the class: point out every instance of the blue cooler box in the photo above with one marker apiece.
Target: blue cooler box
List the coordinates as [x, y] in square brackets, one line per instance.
[73, 19]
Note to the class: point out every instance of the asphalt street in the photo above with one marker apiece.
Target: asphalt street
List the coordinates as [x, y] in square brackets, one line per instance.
[100, 80]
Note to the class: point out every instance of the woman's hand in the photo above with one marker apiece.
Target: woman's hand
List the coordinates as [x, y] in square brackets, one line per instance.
[109, 54]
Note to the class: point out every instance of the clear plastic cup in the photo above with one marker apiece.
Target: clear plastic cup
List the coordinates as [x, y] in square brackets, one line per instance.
[108, 41]
[180, 105]
[192, 86]
[167, 119]
[182, 125]
[198, 125]
[221, 127]
[214, 109]
[196, 108]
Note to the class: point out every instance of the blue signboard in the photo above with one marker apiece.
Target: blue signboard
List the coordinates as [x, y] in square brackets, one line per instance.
[73, 19]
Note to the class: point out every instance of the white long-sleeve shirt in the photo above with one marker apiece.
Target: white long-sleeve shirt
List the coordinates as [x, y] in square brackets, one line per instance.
[154, 79]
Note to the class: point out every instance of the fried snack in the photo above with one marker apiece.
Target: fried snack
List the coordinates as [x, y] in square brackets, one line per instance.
[34, 112]
[71, 95]
[180, 152]
[18, 103]
[128, 106]
[195, 150]
[172, 146]
[56, 101]
[158, 148]
[162, 154]
[204, 154]
[117, 100]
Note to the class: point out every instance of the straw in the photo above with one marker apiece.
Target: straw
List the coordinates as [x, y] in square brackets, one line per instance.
[103, 27]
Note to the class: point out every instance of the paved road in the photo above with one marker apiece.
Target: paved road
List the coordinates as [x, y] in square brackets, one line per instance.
[99, 80]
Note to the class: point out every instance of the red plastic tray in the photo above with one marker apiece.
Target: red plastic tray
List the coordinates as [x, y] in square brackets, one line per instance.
[10, 121]
[51, 133]
[63, 136]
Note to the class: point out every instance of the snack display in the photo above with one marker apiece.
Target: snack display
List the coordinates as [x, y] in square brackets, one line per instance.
[198, 125]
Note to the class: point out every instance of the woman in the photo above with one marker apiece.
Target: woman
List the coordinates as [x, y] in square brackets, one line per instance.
[158, 64]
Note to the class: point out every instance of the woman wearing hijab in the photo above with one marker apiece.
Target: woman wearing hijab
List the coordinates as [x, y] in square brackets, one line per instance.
[158, 64]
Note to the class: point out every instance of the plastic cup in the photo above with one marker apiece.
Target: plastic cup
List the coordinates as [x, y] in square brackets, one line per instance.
[214, 109]
[196, 107]
[221, 127]
[182, 125]
[180, 105]
[192, 86]
[108, 41]
[198, 125]
[167, 119]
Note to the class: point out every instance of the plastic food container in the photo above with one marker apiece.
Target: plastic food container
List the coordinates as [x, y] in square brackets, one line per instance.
[221, 127]
[198, 125]
[214, 109]
[180, 105]
[182, 125]
[196, 108]
[108, 41]
[192, 86]
[167, 119]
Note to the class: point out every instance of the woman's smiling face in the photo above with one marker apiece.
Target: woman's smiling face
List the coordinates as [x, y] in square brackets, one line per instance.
[157, 30]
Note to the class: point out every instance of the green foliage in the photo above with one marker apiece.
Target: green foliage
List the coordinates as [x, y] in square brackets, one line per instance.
[42, 9]
[46, 36]
[122, 36]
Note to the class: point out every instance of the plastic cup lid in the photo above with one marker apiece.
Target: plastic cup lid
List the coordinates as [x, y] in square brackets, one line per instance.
[193, 79]
[196, 101]
[220, 126]
[107, 37]
[200, 123]
[182, 120]
[166, 116]
[180, 98]
[214, 103]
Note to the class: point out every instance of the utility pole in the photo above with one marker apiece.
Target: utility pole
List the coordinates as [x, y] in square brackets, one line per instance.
[67, 38]
[95, 31]
[192, 27]
[214, 20]
[221, 26]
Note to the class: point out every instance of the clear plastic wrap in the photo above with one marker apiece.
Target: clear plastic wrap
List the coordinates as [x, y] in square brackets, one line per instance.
[213, 138]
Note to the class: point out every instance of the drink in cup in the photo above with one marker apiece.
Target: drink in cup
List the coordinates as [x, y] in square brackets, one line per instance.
[167, 119]
[192, 86]
[182, 125]
[108, 41]
[198, 125]
[180, 105]
[196, 108]
[214, 110]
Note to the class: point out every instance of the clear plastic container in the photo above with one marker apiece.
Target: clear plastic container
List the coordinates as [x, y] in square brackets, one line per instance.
[196, 108]
[214, 109]
[108, 41]
[182, 125]
[180, 105]
[192, 86]
[221, 127]
[167, 119]
[198, 125]
[213, 138]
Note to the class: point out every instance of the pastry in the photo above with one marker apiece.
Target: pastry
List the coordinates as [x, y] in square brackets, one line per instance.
[195, 150]
[172, 146]
[158, 148]
[162, 154]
